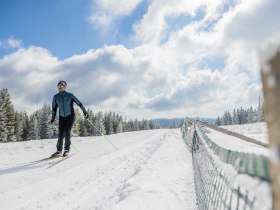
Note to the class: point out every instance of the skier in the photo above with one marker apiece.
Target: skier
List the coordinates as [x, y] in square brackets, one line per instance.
[64, 102]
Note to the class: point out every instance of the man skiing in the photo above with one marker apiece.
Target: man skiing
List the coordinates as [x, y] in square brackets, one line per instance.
[64, 102]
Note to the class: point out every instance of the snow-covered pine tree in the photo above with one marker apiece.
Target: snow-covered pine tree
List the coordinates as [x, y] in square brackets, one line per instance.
[238, 117]
[259, 111]
[83, 128]
[109, 123]
[100, 124]
[243, 116]
[9, 112]
[152, 124]
[218, 121]
[125, 126]
[115, 122]
[223, 119]
[119, 124]
[136, 125]
[76, 131]
[234, 118]
[33, 130]
[3, 127]
[146, 124]
[18, 126]
[250, 115]
[45, 129]
[91, 130]
[25, 124]
[130, 125]
[226, 118]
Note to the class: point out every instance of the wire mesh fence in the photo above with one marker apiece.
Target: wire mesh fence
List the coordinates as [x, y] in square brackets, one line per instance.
[216, 182]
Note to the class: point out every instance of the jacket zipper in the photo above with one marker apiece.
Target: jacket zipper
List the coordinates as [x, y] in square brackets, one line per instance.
[63, 104]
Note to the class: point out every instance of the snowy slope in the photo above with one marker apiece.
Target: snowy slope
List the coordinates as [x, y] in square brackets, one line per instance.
[233, 143]
[256, 131]
[150, 170]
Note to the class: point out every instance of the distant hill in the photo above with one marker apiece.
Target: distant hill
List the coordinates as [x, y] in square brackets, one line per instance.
[167, 123]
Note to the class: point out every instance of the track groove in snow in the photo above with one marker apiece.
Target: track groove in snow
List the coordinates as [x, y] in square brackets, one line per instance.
[151, 170]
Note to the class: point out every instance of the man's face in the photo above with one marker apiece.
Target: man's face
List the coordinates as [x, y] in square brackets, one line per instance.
[61, 88]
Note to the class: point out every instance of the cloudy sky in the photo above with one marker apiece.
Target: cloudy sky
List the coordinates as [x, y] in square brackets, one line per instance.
[141, 58]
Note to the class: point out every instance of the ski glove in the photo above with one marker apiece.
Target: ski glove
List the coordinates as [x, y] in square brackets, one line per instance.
[86, 115]
[52, 120]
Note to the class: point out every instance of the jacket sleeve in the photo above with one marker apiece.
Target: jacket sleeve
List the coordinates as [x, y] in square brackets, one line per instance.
[54, 108]
[79, 103]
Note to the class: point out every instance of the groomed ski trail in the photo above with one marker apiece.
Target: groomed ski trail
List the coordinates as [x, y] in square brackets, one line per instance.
[151, 170]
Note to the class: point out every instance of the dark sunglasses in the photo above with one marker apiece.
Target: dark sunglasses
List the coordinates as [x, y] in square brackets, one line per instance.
[60, 86]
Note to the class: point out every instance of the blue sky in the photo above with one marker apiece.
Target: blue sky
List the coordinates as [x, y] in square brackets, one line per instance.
[142, 58]
[63, 26]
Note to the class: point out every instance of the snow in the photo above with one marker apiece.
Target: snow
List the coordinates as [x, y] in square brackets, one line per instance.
[150, 170]
[233, 143]
[256, 131]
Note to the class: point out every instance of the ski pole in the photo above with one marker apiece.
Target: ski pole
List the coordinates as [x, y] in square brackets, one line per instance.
[71, 145]
[102, 134]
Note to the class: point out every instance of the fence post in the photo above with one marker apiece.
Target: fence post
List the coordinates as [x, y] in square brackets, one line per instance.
[271, 87]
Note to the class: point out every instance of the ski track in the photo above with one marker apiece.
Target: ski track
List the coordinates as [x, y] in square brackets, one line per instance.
[150, 170]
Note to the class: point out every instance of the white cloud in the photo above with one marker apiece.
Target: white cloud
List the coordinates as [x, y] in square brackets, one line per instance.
[106, 11]
[202, 68]
[10, 43]
[153, 25]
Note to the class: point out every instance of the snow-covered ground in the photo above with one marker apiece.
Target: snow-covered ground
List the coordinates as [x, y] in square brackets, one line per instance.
[233, 143]
[150, 170]
[256, 131]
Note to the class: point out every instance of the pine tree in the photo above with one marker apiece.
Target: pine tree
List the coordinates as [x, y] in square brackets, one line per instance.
[100, 124]
[18, 126]
[45, 129]
[250, 115]
[91, 130]
[119, 125]
[235, 120]
[109, 124]
[33, 130]
[145, 125]
[152, 124]
[25, 124]
[3, 127]
[77, 123]
[83, 128]
[259, 111]
[218, 121]
[115, 122]
[136, 125]
[9, 114]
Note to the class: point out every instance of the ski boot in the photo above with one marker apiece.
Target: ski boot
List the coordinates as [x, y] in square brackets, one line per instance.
[65, 153]
[56, 154]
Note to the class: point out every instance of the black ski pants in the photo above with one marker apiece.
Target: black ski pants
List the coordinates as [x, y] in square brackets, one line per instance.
[65, 126]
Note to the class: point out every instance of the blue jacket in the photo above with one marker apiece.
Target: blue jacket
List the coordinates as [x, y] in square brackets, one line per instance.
[64, 101]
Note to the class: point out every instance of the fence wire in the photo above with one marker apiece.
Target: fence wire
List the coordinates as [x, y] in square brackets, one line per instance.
[216, 188]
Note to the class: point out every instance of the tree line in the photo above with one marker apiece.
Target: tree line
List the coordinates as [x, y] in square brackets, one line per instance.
[242, 116]
[18, 126]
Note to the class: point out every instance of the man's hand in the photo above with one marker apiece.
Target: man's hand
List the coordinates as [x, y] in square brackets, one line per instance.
[86, 115]
[52, 120]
